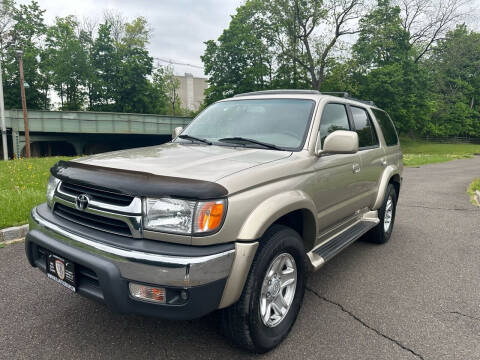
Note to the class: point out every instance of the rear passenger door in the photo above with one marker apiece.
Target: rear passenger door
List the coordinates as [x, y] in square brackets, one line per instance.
[372, 155]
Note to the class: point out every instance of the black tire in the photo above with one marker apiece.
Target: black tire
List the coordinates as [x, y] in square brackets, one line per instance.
[378, 235]
[242, 322]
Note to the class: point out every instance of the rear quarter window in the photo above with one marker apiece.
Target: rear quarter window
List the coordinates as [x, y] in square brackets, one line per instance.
[386, 124]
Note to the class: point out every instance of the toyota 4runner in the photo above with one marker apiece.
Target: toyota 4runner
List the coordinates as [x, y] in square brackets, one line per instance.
[230, 215]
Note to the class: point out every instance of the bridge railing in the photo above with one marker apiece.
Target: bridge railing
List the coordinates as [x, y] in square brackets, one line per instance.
[94, 122]
[43, 123]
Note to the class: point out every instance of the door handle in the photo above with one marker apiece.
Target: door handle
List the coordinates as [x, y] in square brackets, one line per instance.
[356, 168]
[383, 161]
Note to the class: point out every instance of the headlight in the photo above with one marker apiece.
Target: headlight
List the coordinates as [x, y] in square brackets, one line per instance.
[183, 216]
[51, 187]
[170, 215]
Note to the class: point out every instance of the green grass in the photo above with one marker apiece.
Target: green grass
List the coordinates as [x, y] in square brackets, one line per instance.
[416, 153]
[474, 186]
[23, 185]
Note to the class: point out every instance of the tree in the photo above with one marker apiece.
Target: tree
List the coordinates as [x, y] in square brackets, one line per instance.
[241, 59]
[428, 21]
[105, 62]
[68, 59]
[381, 40]
[159, 91]
[299, 34]
[171, 85]
[121, 68]
[7, 11]
[22, 29]
[86, 34]
[456, 71]
[135, 65]
[387, 72]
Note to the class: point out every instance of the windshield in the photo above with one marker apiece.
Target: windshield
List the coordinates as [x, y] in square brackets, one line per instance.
[280, 122]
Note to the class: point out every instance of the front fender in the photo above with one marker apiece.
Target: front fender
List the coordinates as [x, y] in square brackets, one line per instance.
[389, 171]
[273, 208]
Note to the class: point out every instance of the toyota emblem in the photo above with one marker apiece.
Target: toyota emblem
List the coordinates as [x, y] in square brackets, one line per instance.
[81, 202]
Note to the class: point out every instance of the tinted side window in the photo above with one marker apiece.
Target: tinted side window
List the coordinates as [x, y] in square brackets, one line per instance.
[334, 117]
[364, 127]
[388, 129]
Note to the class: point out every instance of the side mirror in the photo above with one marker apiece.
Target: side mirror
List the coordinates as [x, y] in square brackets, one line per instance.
[177, 131]
[339, 142]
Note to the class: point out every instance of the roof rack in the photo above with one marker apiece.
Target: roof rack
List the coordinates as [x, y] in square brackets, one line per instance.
[346, 95]
[279, 92]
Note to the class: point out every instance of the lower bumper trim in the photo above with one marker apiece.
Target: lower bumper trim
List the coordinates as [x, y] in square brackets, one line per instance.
[100, 278]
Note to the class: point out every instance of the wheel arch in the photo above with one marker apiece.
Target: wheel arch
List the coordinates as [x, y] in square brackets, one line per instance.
[391, 174]
[292, 208]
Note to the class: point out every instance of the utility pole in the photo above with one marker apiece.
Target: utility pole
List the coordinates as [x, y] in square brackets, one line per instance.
[2, 117]
[24, 104]
[2, 112]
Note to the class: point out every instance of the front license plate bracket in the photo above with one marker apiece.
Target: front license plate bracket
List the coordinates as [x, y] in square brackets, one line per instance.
[62, 271]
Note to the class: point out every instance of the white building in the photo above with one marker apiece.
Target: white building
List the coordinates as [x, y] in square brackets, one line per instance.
[191, 91]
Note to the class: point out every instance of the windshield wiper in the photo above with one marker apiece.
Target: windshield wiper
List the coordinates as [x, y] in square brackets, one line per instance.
[193, 138]
[238, 139]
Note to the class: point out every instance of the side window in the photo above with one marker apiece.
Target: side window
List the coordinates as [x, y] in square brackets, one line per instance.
[388, 129]
[364, 127]
[334, 117]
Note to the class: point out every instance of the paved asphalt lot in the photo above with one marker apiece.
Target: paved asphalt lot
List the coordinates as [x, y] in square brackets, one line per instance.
[417, 297]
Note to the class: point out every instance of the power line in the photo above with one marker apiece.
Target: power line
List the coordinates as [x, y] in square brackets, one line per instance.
[170, 61]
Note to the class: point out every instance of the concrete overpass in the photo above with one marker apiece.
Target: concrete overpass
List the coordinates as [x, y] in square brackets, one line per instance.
[81, 132]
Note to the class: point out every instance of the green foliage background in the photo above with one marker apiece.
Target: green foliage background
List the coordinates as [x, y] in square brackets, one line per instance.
[104, 67]
[429, 86]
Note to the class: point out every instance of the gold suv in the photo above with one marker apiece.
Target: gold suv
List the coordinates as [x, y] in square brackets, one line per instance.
[231, 214]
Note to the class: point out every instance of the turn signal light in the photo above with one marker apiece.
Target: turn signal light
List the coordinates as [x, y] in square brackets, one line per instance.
[147, 293]
[209, 216]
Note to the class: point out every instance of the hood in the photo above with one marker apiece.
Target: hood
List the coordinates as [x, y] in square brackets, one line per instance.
[191, 161]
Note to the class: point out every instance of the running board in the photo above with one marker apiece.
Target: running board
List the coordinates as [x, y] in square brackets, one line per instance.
[328, 249]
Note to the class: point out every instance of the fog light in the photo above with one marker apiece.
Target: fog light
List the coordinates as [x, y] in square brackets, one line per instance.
[147, 293]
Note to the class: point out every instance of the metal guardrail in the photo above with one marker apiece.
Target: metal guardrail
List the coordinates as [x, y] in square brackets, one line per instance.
[452, 139]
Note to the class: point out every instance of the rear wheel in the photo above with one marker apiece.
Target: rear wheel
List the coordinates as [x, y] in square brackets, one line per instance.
[381, 233]
[272, 295]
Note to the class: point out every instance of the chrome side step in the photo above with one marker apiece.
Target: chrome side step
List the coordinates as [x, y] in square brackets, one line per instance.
[331, 247]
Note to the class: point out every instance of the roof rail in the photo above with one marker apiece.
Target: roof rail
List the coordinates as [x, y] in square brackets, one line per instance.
[337, 93]
[346, 95]
[343, 94]
[279, 92]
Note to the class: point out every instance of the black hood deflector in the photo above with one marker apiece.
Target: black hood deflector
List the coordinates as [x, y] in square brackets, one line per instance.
[136, 183]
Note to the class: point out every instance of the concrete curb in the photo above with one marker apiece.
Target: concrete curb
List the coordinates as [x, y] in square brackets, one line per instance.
[13, 233]
[10, 242]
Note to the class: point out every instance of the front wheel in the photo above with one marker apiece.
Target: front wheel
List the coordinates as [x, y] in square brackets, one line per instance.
[272, 295]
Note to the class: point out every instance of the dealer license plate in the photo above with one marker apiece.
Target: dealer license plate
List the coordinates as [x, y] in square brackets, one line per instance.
[62, 271]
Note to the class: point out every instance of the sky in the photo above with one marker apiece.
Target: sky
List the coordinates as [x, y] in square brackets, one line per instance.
[180, 27]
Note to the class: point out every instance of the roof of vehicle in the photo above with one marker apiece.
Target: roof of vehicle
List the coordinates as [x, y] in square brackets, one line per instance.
[309, 93]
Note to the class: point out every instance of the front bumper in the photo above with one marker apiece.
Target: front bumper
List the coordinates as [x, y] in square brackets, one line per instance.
[105, 269]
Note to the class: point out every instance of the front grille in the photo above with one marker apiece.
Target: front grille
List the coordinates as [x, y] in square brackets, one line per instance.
[91, 220]
[96, 194]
